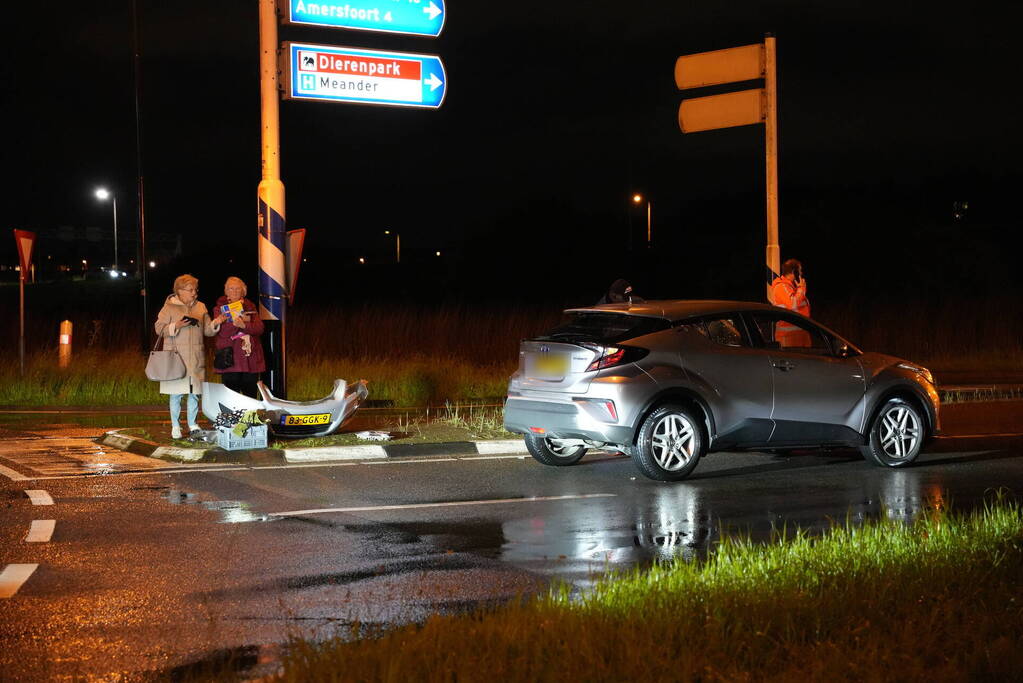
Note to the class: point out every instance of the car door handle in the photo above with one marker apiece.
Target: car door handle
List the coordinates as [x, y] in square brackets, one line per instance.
[783, 365]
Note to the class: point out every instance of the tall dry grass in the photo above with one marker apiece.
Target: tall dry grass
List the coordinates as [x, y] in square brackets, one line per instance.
[414, 355]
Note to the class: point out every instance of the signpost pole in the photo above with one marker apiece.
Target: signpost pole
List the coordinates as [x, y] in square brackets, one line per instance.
[272, 229]
[21, 333]
[771, 140]
[26, 242]
[140, 181]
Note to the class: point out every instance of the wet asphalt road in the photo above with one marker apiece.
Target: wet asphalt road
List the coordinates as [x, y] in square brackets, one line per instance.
[151, 565]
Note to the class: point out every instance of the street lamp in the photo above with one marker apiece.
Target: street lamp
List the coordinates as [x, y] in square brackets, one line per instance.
[638, 199]
[103, 194]
[397, 253]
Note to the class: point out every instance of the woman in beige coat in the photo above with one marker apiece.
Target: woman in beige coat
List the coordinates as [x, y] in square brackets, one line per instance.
[182, 322]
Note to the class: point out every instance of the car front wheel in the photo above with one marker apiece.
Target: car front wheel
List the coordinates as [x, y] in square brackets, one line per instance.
[553, 451]
[670, 444]
[896, 436]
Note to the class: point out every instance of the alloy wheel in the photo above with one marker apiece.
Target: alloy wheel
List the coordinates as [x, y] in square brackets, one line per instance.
[673, 442]
[558, 447]
[900, 432]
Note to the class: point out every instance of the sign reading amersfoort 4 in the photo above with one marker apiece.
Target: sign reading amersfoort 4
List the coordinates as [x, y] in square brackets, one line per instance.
[342, 74]
[413, 17]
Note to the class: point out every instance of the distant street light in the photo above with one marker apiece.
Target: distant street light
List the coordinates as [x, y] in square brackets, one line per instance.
[638, 199]
[103, 194]
[397, 253]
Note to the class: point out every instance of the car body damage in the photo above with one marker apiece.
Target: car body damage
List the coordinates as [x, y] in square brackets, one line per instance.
[290, 419]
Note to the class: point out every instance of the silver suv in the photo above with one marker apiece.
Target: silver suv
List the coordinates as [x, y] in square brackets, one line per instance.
[669, 381]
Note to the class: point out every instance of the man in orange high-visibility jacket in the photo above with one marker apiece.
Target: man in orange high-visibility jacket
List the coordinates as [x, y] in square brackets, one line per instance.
[789, 291]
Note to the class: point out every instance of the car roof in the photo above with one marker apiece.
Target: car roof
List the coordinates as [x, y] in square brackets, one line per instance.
[676, 309]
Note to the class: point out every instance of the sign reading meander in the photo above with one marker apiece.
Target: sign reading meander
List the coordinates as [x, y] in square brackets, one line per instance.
[342, 74]
[416, 17]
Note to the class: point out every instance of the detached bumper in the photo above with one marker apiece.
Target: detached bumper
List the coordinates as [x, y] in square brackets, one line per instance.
[561, 421]
[290, 419]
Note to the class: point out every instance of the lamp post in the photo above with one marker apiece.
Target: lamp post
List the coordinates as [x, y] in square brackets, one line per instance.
[103, 194]
[638, 199]
[397, 252]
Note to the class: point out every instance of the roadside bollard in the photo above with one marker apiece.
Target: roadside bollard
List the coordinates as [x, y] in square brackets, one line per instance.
[65, 343]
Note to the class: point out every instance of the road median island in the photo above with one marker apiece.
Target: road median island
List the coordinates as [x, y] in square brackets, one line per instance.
[204, 453]
[937, 599]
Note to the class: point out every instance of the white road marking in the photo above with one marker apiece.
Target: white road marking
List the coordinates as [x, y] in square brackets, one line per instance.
[39, 497]
[11, 474]
[459, 503]
[502, 446]
[41, 531]
[326, 453]
[13, 576]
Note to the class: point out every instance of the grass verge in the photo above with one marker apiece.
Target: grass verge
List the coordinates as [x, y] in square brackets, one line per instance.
[935, 600]
[100, 378]
[451, 423]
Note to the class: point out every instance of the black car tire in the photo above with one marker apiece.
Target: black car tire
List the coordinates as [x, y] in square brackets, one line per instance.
[896, 435]
[548, 453]
[659, 454]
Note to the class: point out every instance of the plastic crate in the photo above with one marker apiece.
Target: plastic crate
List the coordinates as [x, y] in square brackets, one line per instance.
[255, 437]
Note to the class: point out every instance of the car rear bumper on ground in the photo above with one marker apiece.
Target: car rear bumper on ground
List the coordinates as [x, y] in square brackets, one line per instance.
[560, 420]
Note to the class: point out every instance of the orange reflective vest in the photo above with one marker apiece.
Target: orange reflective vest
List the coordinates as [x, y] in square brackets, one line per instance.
[785, 294]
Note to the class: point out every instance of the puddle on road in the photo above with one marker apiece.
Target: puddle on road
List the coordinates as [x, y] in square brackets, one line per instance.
[231, 511]
[247, 662]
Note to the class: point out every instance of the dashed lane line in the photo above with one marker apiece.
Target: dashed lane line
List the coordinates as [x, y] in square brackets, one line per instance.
[11, 474]
[13, 576]
[457, 503]
[41, 531]
[39, 497]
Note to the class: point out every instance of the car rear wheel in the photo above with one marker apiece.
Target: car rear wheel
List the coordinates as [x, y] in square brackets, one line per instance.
[554, 452]
[896, 436]
[670, 444]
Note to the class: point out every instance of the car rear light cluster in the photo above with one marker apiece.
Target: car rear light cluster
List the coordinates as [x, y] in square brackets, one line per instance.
[611, 356]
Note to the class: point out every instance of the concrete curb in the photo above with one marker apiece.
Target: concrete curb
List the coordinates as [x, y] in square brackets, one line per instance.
[140, 446]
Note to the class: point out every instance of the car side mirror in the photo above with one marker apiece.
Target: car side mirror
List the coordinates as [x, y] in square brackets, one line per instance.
[844, 351]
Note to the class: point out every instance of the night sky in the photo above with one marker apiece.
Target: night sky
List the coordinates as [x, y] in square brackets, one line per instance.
[555, 114]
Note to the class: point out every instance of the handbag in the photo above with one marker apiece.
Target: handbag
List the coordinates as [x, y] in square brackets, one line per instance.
[164, 364]
[224, 358]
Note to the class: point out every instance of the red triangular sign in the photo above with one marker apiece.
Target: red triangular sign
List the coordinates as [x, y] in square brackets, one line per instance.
[25, 240]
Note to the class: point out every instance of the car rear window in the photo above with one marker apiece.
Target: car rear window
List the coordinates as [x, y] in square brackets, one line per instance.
[608, 328]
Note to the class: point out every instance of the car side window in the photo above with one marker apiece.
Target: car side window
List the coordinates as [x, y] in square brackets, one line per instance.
[790, 334]
[726, 331]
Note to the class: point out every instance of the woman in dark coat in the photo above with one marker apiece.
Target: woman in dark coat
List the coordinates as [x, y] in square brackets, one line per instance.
[240, 333]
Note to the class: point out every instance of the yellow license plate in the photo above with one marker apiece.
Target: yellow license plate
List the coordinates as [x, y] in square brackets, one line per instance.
[302, 420]
[551, 365]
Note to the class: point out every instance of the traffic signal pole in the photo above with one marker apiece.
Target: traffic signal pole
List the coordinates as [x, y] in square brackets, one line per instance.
[272, 227]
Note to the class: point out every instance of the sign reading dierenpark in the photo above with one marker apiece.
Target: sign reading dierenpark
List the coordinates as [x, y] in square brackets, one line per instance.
[343, 74]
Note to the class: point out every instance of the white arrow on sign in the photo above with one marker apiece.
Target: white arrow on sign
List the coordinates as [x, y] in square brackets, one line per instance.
[434, 82]
[432, 10]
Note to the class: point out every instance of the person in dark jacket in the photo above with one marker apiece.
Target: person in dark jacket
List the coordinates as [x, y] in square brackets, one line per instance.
[241, 333]
[620, 292]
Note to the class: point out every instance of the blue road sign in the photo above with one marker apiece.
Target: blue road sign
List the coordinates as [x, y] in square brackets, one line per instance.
[415, 17]
[344, 74]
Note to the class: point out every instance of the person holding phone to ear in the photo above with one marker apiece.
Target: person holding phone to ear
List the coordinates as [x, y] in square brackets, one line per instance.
[789, 291]
[183, 322]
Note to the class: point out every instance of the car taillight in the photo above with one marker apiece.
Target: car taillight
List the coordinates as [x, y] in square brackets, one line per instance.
[610, 356]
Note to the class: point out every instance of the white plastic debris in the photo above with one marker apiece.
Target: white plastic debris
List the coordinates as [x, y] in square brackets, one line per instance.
[373, 436]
